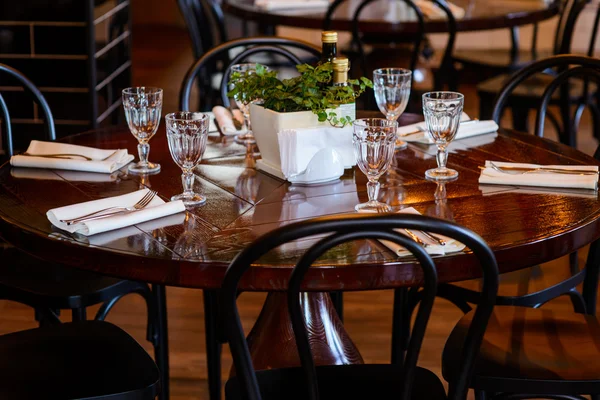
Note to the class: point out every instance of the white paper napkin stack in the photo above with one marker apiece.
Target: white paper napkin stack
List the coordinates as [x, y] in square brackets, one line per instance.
[156, 209]
[298, 146]
[103, 161]
[540, 178]
[225, 120]
[432, 247]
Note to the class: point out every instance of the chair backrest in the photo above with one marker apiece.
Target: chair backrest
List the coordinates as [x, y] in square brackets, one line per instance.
[204, 19]
[37, 96]
[273, 45]
[566, 25]
[568, 67]
[338, 230]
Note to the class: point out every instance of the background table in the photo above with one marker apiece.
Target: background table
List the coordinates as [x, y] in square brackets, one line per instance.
[524, 226]
[394, 17]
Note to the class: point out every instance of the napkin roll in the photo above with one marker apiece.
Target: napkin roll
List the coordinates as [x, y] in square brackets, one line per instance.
[225, 120]
[543, 179]
[432, 11]
[298, 146]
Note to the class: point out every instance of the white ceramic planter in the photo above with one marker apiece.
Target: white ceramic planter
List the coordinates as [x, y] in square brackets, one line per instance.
[266, 123]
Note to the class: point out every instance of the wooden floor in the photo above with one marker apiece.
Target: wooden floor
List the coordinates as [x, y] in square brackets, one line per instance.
[161, 58]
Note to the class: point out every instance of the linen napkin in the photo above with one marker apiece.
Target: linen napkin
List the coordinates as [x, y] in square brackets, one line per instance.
[156, 209]
[212, 127]
[298, 146]
[432, 11]
[225, 122]
[542, 178]
[291, 4]
[104, 161]
[432, 247]
[470, 129]
[72, 176]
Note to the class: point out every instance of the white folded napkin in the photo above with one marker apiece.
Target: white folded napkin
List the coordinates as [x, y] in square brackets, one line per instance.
[291, 4]
[432, 11]
[432, 247]
[104, 161]
[298, 146]
[73, 176]
[156, 209]
[542, 178]
[470, 129]
[212, 127]
[225, 122]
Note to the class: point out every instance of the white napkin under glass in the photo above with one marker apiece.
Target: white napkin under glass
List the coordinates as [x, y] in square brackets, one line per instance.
[466, 130]
[291, 4]
[103, 161]
[225, 120]
[542, 178]
[432, 247]
[156, 209]
[298, 146]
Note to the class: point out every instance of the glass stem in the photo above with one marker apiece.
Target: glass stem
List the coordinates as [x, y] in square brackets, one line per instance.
[248, 124]
[442, 157]
[373, 190]
[143, 151]
[187, 180]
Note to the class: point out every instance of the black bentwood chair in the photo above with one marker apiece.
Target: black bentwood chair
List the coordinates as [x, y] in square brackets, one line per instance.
[530, 353]
[403, 381]
[528, 94]
[83, 360]
[49, 287]
[249, 47]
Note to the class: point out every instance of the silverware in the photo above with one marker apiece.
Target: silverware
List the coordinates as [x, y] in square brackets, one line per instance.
[524, 170]
[468, 121]
[236, 122]
[142, 203]
[63, 156]
[434, 238]
[417, 239]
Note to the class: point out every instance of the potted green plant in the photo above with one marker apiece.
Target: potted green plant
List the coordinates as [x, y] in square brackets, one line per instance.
[308, 100]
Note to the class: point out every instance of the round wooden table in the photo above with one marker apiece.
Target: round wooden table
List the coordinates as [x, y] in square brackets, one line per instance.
[394, 17]
[523, 226]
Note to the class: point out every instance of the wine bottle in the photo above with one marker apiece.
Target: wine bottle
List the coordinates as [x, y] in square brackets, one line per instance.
[329, 49]
[341, 66]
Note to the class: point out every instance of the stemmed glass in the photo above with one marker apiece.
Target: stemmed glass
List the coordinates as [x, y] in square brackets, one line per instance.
[392, 91]
[374, 141]
[143, 106]
[187, 133]
[442, 112]
[243, 102]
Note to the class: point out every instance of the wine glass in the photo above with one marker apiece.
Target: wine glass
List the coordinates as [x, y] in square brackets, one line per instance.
[243, 102]
[143, 106]
[442, 112]
[374, 141]
[187, 133]
[392, 92]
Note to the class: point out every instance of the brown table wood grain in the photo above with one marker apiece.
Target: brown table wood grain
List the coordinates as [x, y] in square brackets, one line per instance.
[395, 17]
[523, 226]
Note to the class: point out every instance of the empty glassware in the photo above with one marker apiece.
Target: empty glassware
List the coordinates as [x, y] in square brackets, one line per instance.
[187, 133]
[392, 92]
[143, 106]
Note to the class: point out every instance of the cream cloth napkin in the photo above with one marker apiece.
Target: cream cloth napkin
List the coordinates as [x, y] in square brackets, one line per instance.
[291, 4]
[544, 179]
[73, 176]
[432, 11]
[464, 131]
[212, 127]
[104, 161]
[225, 122]
[298, 146]
[156, 209]
[433, 248]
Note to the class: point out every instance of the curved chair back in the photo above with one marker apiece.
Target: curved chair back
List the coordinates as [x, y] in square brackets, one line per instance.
[338, 230]
[566, 25]
[252, 46]
[37, 96]
[568, 67]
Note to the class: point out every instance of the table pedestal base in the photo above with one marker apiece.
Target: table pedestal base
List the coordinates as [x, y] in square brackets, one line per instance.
[272, 343]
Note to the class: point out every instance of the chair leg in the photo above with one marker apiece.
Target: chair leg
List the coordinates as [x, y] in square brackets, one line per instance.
[590, 284]
[213, 345]
[338, 303]
[485, 107]
[480, 395]
[79, 314]
[519, 116]
[400, 325]
[161, 349]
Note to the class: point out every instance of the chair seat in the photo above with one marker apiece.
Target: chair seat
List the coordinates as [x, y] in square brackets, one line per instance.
[498, 58]
[527, 343]
[55, 285]
[75, 361]
[346, 382]
[532, 88]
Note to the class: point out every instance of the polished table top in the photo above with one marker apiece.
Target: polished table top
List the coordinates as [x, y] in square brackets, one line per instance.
[524, 226]
[396, 17]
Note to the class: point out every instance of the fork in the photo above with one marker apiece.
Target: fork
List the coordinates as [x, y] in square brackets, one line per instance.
[381, 210]
[523, 170]
[142, 203]
[65, 156]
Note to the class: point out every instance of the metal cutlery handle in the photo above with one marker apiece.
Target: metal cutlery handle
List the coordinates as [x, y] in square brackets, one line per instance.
[95, 213]
[110, 214]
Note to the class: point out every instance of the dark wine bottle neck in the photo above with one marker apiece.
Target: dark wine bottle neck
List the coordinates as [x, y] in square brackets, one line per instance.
[329, 52]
